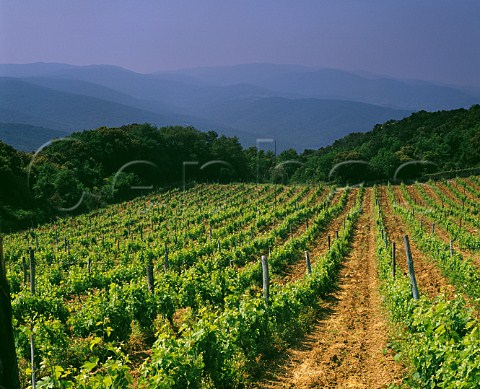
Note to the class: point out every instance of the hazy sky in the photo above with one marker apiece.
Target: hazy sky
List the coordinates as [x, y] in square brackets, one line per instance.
[423, 39]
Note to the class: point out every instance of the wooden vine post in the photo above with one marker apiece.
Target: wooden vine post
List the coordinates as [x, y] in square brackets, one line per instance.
[266, 291]
[411, 271]
[8, 358]
[25, 271]
[307, 261]
[165, 263]
[393, 259]
[150, 277]
[32, 291]
[32, 271]
[117, 252]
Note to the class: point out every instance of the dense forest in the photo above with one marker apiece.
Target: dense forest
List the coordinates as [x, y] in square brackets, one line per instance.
[97, 167]
[443, 141]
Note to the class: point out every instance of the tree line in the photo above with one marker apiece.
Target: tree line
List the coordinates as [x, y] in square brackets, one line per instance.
[94, 168]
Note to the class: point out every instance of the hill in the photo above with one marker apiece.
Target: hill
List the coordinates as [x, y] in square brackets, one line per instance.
[25, 137]
[444, 140]
[24, 102]
[300, 123]
[301, 81]
[96, 161]
[250, 101]
[223, 284]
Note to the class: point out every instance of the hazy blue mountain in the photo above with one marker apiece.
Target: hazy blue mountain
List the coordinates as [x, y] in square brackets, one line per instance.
[190, 88]
[255, 73]
[301, 107]
[23, 102]
[338, 84]
[32, 69]
[300, 123]
[179, 96]
[91, 89]
[25, 137]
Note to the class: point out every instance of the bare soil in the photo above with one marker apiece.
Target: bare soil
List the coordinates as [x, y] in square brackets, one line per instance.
[318, 248]
[444, 235]
[429, 278]
[347, 347]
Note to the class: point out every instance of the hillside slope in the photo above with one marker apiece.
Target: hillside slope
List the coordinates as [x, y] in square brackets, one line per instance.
[316, 106]
[26, 137]
[444, 140]
[27, 103]
[338, 84]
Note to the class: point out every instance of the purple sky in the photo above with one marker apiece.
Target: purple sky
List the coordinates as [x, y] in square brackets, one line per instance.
[423, 39]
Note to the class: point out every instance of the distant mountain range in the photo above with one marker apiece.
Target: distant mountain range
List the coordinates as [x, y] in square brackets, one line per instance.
[300, 107]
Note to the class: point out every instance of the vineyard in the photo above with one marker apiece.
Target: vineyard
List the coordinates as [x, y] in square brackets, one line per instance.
[246, 285]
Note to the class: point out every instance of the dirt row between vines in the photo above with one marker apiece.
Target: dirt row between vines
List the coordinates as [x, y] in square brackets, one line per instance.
[472, 184]
[448, 192]
[347, 345]
[301, 227]
[297, 230]
[469, 225]
[445, 236]
[462, 190]
[320, 246]
[429, 278]
[414, 194]
[457, 198]
[434, 195]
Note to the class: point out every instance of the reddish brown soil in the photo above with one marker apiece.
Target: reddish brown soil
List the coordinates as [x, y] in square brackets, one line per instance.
[318, 248]
[461, 189]
[470, 226]
[446, 236]
[298, 229]
[429, 278]
[474, 186]
[347, 347]
[302, 227]
[448, 193]
[431, 193]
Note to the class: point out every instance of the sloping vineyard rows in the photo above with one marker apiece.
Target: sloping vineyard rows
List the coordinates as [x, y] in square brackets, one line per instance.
[222, 347]
[469, 185]
[458, 208]
[439, 338]
[460, 195]
[91, 289]
[73, 253]
[429, 276]
[441, 216]
[436, 337]
[460, 271]
[202, 320]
